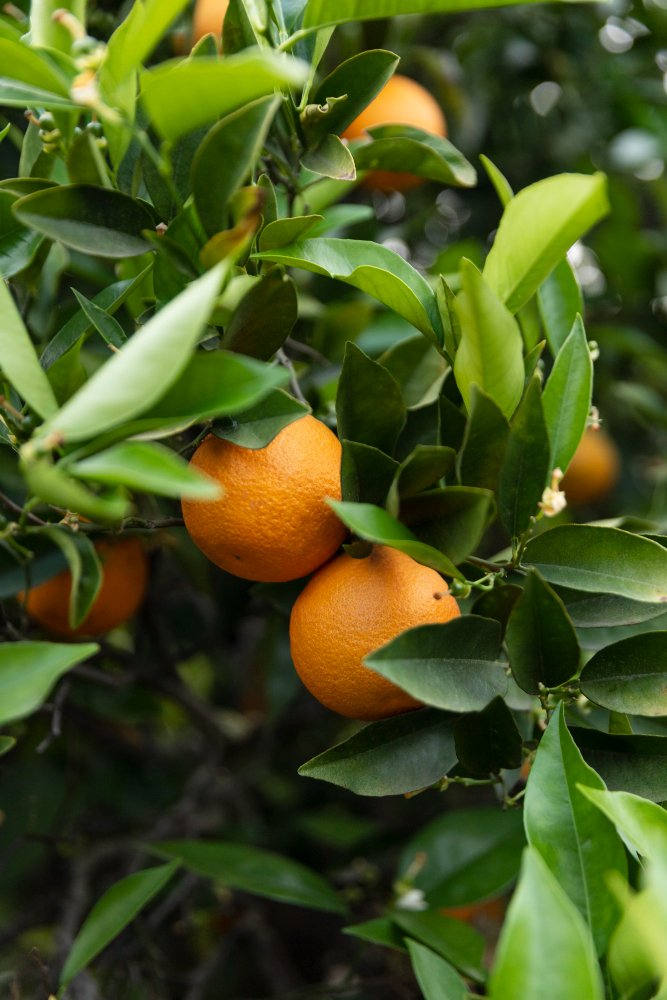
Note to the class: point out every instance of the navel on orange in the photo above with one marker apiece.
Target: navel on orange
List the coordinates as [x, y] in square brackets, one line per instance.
[348, 609]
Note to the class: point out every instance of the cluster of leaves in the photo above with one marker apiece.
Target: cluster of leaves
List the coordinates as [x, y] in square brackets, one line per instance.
[175, 198]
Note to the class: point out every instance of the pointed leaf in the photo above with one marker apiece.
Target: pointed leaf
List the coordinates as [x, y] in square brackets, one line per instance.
[150, 468]
[642, 824]
[483, 450]
[452, 519]
[85, 570]
[407, 149]
[527, 464]
[560, 301]
[369, 406]
[630, 675]
[358, 79]
[366, 473]
[456, 942]
[264, 318]
[567, 396]
[18, 359]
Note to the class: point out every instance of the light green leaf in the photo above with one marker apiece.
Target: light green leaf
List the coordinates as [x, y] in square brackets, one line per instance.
[148, 467]
[52, 484]
[28, 671]
[18, 359]
[136, 37]
[21, 63]
[642, 824]
[500, 183]
[560, 300]
[567, 396]
[14, 94]
[331, 157]
[406, 149]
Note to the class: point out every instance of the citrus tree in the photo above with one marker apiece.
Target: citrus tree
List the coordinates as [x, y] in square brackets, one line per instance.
[200, 303]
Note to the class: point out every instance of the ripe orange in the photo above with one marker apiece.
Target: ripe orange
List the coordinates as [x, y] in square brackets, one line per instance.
[401, 101]
[208, 17]
[488, 912]
[271, 522]
[594, 470]
[348, 609]
[123, 587]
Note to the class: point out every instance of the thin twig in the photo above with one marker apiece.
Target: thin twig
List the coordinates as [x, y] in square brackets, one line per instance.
[18, 509]
[294, 382]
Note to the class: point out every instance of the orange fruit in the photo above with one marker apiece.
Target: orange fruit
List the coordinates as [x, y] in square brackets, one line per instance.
[271, 522]
[208, 17]
[401, 101]
[348, 609]
[489, 911]
[594, 469]
[123, 587]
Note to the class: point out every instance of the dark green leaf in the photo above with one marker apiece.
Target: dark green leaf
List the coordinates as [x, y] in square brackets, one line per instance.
[591, 610]
[567, 396]
[18, 245]
[423, 467]
[148, 467]
[358, 80]
[527, 464]
[391, 757]
[366, 473]
[452, 520]
[108, 328]
[560, 301]
[264, 318]
[541, 640]
[636, 764]
[28, 671]
[488, 741]
[418, 368]
[7, 743]
[369, 406]
[630, 676]
[498, 603]
[455, 941]
[42, 561]
[85, 570]
[586, 847]
[263, 873]
[483, 451]
[256, 427]
[593, 558]
[454, 666]
[379, 931]
[18, 359]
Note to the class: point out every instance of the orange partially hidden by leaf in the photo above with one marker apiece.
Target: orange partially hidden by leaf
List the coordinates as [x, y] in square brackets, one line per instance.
[401, 101]
[487, 913]
[594, 470]
[271, 522]
[208, 17]
[350, 608]
[125, 568]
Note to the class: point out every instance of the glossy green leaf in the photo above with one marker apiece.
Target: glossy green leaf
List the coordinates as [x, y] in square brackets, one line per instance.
[391, 757]
[226, 158]
[282, 232]
[366, 473]
[138, 375]
[18, 244]
[28, 671]
[406, 149]
[541, 640]
[181, 95]
[636, 764]
[527, 463]
[256, 427]
[85, 569]
[452, 519]
[586, 846]
[94, 220]
[488, 741]
[264, 318]
[538, 226]
[369, 406]
[358, 80]
[250, 869]
[484, 443]
[21, 63]
[330, 158]
[52, 484]
[470, 855]
[373, 269]
[109, 329]
[600, 559]
[424, 466]
[147, 467]
[630, 675]
[453, 940]
[642, 824]
[500, 183]
[112, 913]
[490, 354]
[454, 666]
[419, 369]
[18, 359]
[542, 930]
[136, 37]
[560, 301]
[375, 525]
[567, 396]
[591, 610]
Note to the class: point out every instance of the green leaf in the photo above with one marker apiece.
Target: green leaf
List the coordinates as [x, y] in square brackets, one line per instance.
[28, 671]
[642, 824]
[7, 743]
[453, 940]
[112, 913]
[264, 318]
[373, 269]
[490, 354]
[470, 855]
[542, 929]
[379, 931]
[424, 466]
[452, 519]
[147, 467]
[438, 980]
[358, 79]
[498, 603]
[454, 666]
[419, 369]
[18, 245]
[256, 427]
[594, 558]
[567, 396]
[391, 757]
[330, 158]
[14, 94]
[136, 37]
[53, 485]
[488, 741]
[527, 464]
[406, 149]
[226, 158]
[282, 232]
[636, 764]
[629, 676]
[21, 63]
[18, 359]
[109, 329]
[560, 301]
[591, 610]
[85, 570]
[263, 873]
[541, 640]
[369, 405]
[539, 225]
[138, 375]
[366, 473]
[375, 525]
[181, 95]
[577, 843]
[91, 219]
[485, 440]
[500, 183]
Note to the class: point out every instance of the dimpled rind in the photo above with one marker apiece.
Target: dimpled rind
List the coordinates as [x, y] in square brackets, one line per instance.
[123, 588]
[271, 522]
[350, 608]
